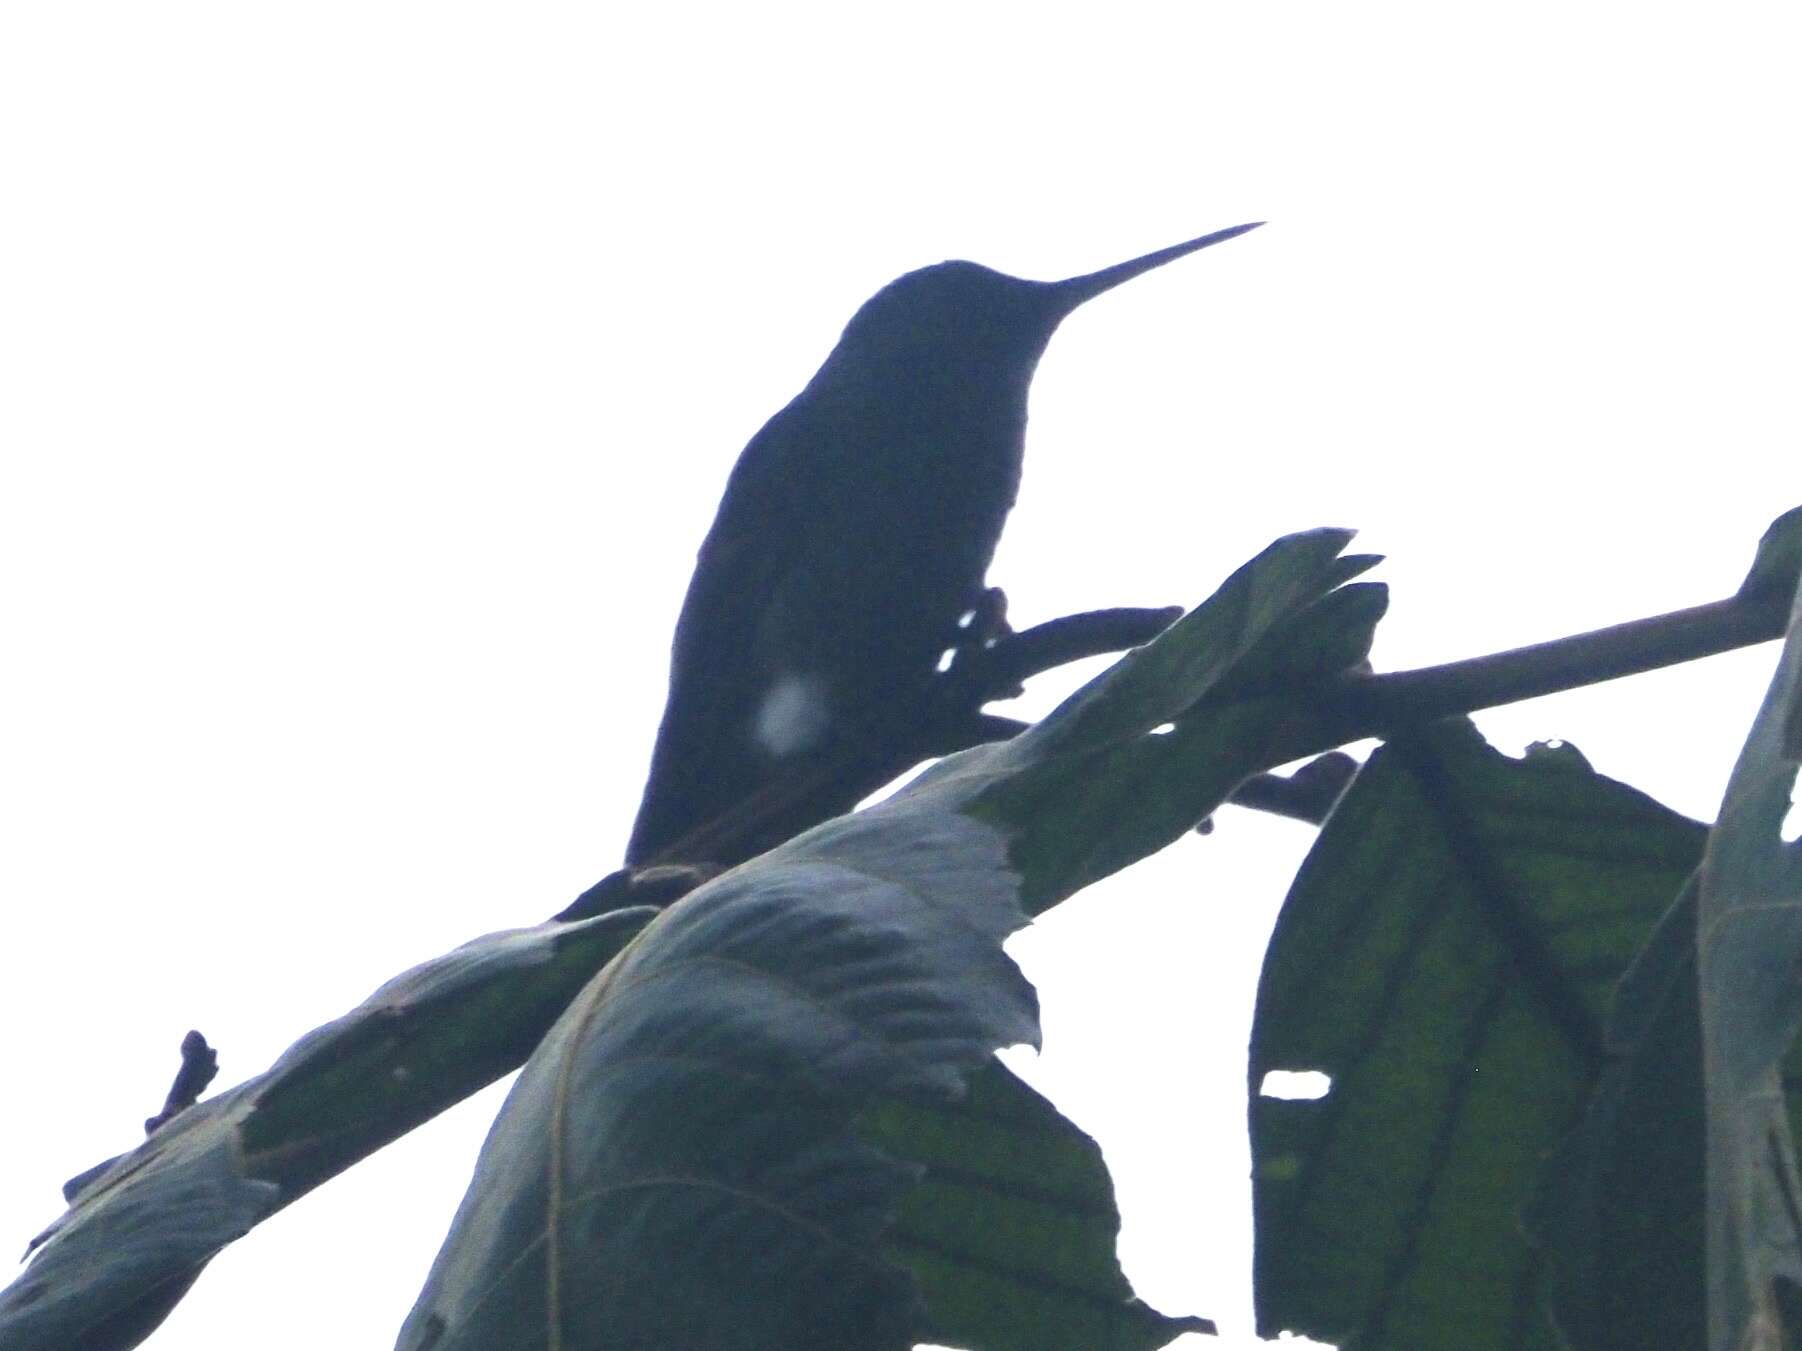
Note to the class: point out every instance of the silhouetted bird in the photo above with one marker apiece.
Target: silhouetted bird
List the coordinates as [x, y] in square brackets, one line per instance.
[853, 536]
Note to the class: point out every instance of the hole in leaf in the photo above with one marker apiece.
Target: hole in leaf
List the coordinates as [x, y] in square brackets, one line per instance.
[946, 657]
[1296, 1085]
[1791, 829]
[1163, 729]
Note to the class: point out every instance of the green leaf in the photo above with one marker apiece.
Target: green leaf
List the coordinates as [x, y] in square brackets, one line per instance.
[1012, 1227]
[1748, 951]
[1156, 683]
[1095, 787]
[676, 1166]
[138, 1235]
[1445, 956]
[680, 1163]
[1619, 1208]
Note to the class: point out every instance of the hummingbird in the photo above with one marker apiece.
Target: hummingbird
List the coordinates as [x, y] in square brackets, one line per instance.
[851, 542]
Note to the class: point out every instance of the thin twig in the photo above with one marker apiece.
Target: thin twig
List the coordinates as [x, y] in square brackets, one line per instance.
[199, 1067]
[1058, 642]
[1309, 794]
[660, 885]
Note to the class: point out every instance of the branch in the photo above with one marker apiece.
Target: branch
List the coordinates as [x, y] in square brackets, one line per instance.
[1058, 642]
[1350, 708]
[1309, 794]
[1355, 706]
[659, 886]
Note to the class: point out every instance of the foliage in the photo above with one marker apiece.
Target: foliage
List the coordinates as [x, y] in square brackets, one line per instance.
[768, 1113]
[1446, 956]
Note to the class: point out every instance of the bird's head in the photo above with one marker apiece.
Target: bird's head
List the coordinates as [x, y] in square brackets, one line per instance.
[962, 327]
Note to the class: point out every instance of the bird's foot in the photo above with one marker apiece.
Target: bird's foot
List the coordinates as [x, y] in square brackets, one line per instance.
[982, 629]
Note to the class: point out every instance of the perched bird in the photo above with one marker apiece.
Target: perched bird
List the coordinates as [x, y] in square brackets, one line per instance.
[853, 537]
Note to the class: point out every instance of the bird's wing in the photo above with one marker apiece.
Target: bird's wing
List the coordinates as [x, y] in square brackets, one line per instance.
[704, 763]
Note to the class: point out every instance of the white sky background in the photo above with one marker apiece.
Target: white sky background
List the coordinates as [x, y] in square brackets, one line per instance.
[372, 372]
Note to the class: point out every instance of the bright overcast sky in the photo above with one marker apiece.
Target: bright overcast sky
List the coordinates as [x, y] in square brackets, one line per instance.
[372, 372]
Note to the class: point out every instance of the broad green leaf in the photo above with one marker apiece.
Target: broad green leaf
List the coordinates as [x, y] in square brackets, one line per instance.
[1095, 787]
[137, 1236]
[676, 1165]
[1446, 957]
[1155, 683]
[1012, 1228]
[1748, 951]
[680, 1164]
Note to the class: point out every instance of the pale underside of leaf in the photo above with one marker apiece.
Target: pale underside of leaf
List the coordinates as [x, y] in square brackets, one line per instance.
[1749, 948]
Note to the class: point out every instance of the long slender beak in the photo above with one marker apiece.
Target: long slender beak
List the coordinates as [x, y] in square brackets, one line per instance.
[1076, 290]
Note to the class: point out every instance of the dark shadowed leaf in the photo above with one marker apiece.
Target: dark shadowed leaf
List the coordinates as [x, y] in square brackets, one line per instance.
[135, 1238]
[675, 1166]
[1445, 956]
[1094, 788]
[1624, 1205]
[1012, 1229]
[1619, 1207]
